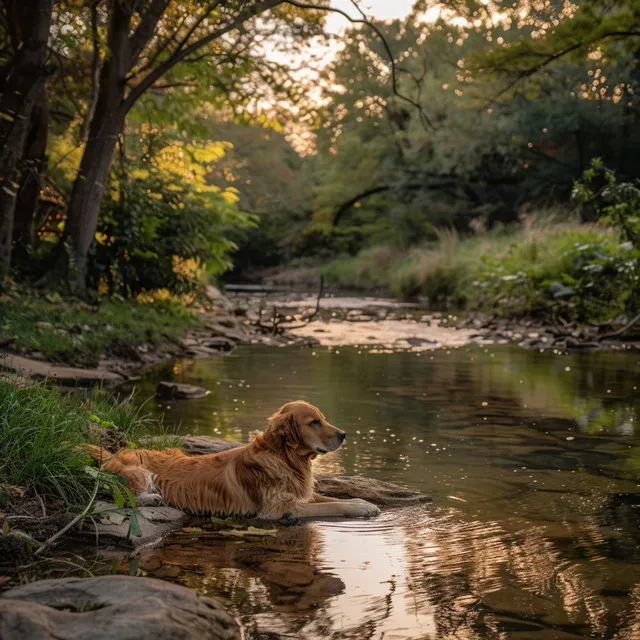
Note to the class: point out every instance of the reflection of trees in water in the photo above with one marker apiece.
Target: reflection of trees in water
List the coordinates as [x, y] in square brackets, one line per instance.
[482, 580]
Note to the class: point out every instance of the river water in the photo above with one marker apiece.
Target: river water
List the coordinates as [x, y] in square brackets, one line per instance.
[532, 460]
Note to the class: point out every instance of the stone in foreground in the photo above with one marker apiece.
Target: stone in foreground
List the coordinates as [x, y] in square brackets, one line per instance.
[175, 390]
[112, 608]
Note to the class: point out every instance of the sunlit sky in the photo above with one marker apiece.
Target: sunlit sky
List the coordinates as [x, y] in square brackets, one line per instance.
[379, 9]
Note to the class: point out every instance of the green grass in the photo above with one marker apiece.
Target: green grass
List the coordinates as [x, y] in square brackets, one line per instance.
[41, 425]
[79, 334]
[578, 272]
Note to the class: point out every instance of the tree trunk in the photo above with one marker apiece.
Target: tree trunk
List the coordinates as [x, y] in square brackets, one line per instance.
[35, 162]
[21, 92]
[106, 125]
[88, 189]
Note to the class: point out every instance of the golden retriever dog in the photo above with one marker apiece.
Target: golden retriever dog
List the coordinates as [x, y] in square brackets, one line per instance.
[269, 478]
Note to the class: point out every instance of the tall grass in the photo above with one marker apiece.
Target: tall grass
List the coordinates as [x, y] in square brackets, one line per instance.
[579, 272]
[39, 428]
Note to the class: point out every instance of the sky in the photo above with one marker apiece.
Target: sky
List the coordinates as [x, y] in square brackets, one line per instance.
[379, 9]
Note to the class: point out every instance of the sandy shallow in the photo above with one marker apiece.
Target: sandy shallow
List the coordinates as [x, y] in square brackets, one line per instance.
[389, 334]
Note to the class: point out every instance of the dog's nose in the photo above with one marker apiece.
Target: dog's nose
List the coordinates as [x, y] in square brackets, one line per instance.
[342, 435]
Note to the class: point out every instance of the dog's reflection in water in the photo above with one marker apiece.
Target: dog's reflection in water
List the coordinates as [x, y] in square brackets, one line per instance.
[271, 571]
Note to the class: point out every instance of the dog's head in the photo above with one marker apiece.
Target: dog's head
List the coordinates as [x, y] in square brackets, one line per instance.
[301, 428]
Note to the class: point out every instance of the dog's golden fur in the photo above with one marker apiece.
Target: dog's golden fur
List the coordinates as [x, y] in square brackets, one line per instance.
[269, 477]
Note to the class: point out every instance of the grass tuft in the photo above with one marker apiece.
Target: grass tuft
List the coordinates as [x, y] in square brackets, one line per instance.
[41, 425]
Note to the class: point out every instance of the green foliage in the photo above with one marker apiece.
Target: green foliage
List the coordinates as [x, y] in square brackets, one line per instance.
[613, 203]
[39, 430]
[165, 226]
[78, 334]
[578, 274]
[574, 272]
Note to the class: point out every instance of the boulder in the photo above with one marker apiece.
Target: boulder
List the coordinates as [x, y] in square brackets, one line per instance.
[216, 297]
[111, 526]
[112, 608]
[387, 494]
[220, 343]
[175, 390]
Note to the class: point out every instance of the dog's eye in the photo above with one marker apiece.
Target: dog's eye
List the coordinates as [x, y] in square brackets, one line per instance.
[314, 423]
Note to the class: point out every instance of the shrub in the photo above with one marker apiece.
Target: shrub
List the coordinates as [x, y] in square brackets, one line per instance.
[581, 274]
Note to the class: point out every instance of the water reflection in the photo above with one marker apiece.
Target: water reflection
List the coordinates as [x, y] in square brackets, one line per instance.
[532, 461]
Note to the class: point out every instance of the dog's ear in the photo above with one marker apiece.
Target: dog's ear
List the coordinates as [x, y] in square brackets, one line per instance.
[282, 430]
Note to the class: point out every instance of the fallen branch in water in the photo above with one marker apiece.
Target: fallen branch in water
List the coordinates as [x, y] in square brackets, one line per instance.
[277, 318]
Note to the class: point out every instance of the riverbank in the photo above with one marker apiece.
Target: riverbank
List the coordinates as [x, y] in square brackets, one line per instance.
[540, 274]
[80, 344]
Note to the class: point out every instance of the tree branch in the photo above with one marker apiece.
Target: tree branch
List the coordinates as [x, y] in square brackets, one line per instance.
[424, 119]
[149, 20]
[95, 69]
[181, 54]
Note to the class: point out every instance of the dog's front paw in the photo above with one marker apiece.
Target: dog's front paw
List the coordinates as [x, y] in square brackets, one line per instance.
[358, 508]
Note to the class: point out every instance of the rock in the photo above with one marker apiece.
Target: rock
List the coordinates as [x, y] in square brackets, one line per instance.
[65, 376]
[187, 343]
[112, 527]
[419, 342]
[232, 333]
[171, 390]
[36, 355]
[363, 315]
[112, 608]
[375, 491]
[220, 343]
[216, 297]
[573, 343]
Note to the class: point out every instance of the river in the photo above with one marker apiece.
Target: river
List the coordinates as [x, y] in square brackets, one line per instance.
[532, 459]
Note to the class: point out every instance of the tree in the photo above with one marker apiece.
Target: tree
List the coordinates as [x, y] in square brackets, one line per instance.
[145, 42]
[23, 87]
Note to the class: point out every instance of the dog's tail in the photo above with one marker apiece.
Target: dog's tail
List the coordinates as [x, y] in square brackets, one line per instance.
[99, 454]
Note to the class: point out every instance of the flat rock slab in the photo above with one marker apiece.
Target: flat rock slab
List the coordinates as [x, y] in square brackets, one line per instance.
[386, 494]
[113, 526]
[112, 608]
[171, 390]
[375, 491]
[65, 376]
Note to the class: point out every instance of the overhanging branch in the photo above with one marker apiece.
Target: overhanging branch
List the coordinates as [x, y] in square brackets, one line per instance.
[426, 122]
